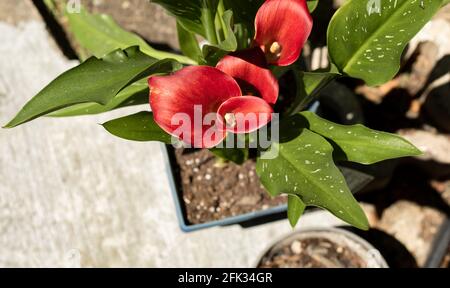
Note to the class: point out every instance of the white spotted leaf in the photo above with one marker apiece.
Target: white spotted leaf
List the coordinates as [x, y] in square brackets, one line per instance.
[366, 38]
[304, 167]
[359, 143]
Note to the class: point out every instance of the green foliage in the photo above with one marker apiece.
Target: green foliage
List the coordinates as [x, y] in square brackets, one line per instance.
[359, 143]
[366, 41]
[189, 44]
[96, 80]
[213, 53]
[296, 207]
[312, 5]
[193, 15]
[137, 127]
[100, 35]
[304, 167]
[308, 86]
[235, 155]
[135, 94]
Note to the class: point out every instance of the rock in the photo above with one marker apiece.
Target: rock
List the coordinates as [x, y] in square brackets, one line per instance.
[435, 146]
[427, 57]
[414, 226]
[296, 247]
[15, 12]
[443, 188]
[371, 213]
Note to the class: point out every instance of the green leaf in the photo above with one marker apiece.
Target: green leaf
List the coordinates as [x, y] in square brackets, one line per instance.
[213, 53]
[96, 80]
[359, 143]
[367, 43]
[236, 155]
[312, 5]
[193, 15]
[308, 86]
[137, 127]
[189, 44]
[296, 207]
[100, 34]
[304, 167]
[135, 94]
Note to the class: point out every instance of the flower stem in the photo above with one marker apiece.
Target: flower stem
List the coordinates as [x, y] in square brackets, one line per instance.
[220, 12]
[208, 22]
[164, 55]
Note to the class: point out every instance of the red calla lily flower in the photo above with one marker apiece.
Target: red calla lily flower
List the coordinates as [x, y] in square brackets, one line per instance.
[199, 104]
[244, 114]
[249, 69]
[282, 28]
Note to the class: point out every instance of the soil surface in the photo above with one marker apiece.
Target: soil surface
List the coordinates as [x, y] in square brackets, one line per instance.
[313, 253]
[213, 191]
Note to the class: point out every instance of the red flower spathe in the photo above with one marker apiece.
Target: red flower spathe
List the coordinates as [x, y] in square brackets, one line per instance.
[282, 28]
[199, 104]
[244, 114]
[249, 69]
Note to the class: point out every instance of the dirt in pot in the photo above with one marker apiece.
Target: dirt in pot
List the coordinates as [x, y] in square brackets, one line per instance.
[213, 191]
[313, 253]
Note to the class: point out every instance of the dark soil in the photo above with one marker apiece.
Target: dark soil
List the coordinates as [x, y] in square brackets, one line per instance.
[313, 253]
[213, 191]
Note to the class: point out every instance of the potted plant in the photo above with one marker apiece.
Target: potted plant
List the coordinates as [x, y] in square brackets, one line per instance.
[224, 95]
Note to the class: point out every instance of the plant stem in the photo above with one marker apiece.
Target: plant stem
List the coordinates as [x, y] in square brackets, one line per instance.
[160, 55]
[220, 12]
[208, 23]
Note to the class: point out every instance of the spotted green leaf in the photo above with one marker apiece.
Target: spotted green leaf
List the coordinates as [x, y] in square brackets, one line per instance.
[359, 143]
[366, 38]
[304, 167]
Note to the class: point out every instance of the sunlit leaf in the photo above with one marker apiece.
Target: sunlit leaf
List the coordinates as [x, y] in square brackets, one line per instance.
[296, 207]
[366, 38]
[304, 166]
[137, 127]
[94, 81]
[135, 94]
[100, 34]
[359, 143]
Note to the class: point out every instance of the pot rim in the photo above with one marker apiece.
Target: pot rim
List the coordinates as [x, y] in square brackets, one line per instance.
[373, 257]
